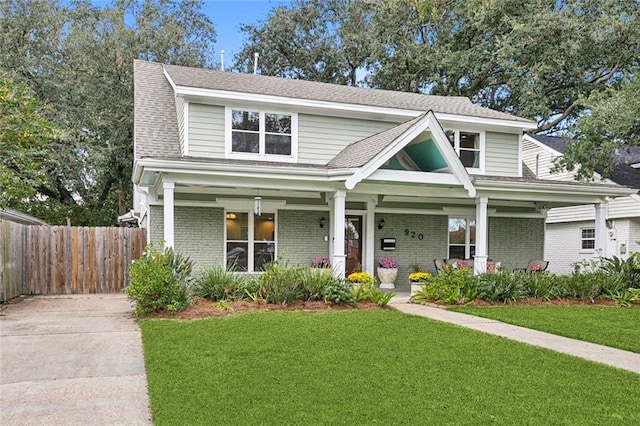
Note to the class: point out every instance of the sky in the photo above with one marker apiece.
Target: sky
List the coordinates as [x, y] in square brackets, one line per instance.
[227, 15]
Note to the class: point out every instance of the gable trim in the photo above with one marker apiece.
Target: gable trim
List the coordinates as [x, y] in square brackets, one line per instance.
[427, 121]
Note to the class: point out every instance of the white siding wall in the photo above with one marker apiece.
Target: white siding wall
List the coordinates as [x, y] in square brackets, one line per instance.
[545, 160]
[627, 234]
[501, 154]
[179, 107]
[624, 207]
[562, 246]
[206, 130]
[320, 138]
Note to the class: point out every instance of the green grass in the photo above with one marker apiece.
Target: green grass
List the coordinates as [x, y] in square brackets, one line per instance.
[610, 326]
[366, 367]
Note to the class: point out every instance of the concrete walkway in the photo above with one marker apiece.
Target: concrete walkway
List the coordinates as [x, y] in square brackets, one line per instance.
[72, 360]
[603, 354]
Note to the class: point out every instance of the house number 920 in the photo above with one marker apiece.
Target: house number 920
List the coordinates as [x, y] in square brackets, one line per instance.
[413, 234]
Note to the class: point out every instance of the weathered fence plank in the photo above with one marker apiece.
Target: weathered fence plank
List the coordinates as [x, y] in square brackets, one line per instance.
[37, 259]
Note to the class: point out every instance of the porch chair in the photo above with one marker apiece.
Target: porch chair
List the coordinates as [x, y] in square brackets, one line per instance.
[535, 265]
[439, 264]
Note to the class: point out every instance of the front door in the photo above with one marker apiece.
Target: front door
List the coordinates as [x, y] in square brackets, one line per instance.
[353, 244]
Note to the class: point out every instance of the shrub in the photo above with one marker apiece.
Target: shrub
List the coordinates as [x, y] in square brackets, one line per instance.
[314, 283]
[541, 285]
[218, 283]
[502, 286]
[450, 287]
[368, 292]
[586, 286]
[338, 292]
[159, 281]
[280, 283]
[628, 270]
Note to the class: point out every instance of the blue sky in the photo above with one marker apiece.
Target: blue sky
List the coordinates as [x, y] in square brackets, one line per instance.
[227, 15]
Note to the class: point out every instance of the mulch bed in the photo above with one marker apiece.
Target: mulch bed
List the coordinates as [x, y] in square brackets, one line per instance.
[205, 308]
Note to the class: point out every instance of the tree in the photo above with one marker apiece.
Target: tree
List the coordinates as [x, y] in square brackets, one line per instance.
[610, 123]
[79, 58]
[532, 58]
[315, 40]
[25, 137]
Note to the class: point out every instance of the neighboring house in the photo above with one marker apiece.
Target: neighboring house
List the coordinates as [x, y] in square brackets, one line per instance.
[241, 168]
[570, 231]
[17, 216]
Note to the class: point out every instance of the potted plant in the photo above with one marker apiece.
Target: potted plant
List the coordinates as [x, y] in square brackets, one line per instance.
[418, 279]
[356, 279]
[387, 272]
[320, 265]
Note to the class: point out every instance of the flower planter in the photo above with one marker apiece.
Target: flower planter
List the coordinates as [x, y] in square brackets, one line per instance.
[387, 277]
[416, 286]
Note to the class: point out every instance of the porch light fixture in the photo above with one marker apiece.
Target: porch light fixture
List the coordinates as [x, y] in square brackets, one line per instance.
[257, 206]
[231, 216]
[322, 222]
[381, 224]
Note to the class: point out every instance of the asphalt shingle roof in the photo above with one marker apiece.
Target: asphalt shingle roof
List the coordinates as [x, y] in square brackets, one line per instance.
[155, 119]
[311, 90]
[361, 152]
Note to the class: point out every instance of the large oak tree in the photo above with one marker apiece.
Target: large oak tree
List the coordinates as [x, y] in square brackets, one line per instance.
[78, 58]
[538, 59]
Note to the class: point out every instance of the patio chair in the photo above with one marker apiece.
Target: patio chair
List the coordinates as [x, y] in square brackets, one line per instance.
[535, 265]
[439, 264]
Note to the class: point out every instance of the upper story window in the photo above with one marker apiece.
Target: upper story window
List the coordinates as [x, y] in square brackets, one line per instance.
[261, 133]
[468, 146]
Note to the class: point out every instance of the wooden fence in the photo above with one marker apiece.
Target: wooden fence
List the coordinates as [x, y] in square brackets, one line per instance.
[65, 259]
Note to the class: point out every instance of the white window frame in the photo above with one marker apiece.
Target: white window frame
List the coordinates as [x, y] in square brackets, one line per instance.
[261, 154]
[481, 149]
[467, 236]
[250, 238]
[583, 239]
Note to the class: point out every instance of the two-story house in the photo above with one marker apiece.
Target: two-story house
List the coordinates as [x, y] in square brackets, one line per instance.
[570, 231]
[241, 168]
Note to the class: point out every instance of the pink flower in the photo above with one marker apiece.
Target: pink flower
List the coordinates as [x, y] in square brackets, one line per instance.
[387, 262]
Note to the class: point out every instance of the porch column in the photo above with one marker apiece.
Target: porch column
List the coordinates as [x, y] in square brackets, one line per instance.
[168, 188]
[482, 230]
[600, 228]
[331, 227]
[369, 237]
[337, 226]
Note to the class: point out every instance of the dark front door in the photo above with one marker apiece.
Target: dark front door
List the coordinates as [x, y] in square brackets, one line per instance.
[353, 244]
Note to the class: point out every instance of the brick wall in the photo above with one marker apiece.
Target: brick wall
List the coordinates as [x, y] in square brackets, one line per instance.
[300, 237]
[198, 233]
[410, 249]
[562, 246]
[515, 241]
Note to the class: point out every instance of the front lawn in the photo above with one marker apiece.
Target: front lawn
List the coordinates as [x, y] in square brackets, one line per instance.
[366, 367]
[610, 326]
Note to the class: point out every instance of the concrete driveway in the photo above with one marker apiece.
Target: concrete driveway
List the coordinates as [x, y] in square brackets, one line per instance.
[72, 360]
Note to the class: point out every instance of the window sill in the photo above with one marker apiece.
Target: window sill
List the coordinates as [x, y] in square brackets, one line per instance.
[258, 157]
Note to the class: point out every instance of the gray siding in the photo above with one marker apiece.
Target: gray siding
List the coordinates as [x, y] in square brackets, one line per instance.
[515, 241]
[501, 154]
[320, 138]
[198, 233]
[206, 130]
[410, 251]
[300, 238]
